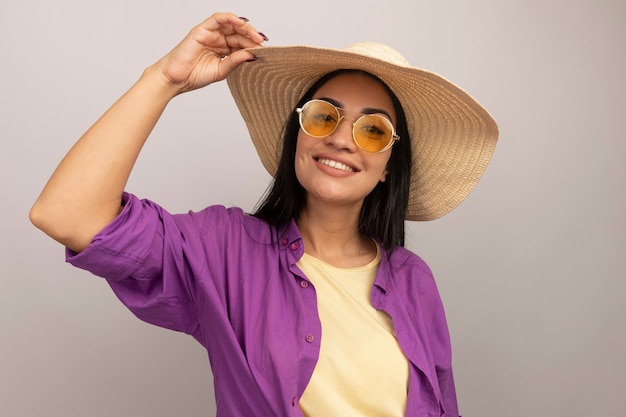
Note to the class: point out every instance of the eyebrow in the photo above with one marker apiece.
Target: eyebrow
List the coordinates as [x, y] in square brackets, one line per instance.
[367, 110]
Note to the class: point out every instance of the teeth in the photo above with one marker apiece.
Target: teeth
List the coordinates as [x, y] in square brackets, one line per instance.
[336, 165]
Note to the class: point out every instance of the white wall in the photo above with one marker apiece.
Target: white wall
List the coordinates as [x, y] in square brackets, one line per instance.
[532, 267]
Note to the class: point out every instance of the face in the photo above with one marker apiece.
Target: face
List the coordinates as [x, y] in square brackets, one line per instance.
[334, 169]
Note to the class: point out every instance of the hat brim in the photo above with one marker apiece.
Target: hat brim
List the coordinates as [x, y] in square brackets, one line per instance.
[452, 136]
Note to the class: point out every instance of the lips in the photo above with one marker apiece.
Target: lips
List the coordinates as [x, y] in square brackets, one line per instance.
[335, 164]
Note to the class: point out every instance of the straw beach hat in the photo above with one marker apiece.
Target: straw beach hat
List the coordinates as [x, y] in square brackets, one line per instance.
[452, 135]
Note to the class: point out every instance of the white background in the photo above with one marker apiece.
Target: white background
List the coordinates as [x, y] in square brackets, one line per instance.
[531, 267]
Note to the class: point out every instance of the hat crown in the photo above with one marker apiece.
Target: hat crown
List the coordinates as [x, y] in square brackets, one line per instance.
[378, 51]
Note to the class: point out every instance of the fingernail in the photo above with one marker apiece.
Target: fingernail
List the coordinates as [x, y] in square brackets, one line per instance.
[263, 36]
[252, 59]
[245, 19]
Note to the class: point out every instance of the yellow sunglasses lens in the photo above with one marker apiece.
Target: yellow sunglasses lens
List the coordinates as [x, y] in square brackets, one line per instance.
[372, 133]
[319, 118]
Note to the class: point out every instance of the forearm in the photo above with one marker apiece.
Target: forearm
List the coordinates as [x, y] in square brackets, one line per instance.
[83, 195]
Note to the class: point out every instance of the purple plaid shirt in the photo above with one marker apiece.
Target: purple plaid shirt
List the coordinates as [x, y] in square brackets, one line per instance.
[231, 281]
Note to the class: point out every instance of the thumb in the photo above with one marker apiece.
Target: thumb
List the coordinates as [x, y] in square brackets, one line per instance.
[235, 59]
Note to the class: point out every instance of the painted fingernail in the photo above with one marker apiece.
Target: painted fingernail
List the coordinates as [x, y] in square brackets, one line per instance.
[245, 19]
[252, 59]
[263, 36]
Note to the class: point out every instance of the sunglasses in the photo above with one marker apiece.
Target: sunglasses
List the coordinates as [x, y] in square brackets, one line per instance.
[371, 132]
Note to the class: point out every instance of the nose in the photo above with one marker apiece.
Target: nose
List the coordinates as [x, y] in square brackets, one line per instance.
[341, 138]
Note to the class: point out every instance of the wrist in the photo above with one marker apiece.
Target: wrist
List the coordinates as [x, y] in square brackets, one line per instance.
[159, 83]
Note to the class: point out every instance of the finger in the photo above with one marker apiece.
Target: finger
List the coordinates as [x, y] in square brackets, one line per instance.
[232, 61]
[229, 23]
[237, 41]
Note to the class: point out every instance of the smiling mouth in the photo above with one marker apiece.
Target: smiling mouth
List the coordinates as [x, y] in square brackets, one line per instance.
[335, 164]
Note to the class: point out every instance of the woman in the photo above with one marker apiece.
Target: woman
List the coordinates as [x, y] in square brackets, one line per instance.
[311, 306]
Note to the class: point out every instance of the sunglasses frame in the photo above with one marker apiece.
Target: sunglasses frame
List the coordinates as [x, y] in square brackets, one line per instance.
[392, 140]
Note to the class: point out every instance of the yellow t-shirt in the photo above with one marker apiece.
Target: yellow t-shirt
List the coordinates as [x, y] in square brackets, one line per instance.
[361, 370]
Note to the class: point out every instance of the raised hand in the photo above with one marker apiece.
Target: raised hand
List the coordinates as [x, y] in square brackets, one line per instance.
[210, 52]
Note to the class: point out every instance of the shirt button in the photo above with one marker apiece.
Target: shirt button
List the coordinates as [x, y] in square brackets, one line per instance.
[284, 241]
[310, 338]
[304, 284]
[294, 246]
[294, 401]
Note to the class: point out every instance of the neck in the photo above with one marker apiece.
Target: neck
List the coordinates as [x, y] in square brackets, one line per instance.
[332, 235]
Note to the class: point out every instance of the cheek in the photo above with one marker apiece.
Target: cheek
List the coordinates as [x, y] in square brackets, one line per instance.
[380, 165]
[300, 157]
[299, 143]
